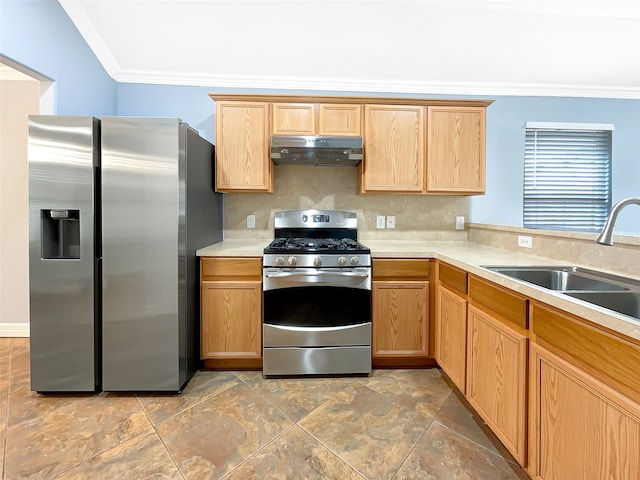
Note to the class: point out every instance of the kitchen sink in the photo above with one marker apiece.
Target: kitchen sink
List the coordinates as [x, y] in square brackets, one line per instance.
[613, 292]
[564, 278]
[627, 303]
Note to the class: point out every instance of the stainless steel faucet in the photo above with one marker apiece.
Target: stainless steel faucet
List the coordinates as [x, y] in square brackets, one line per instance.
[606, 236]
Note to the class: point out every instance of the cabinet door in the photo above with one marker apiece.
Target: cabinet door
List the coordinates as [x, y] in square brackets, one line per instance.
[451, 336]
[293, 119]
[400, 324]
[496, 378]
[242, 147]
[580, 427]
[341, 120]
[231, 316]
[456, 149]
[394, 149]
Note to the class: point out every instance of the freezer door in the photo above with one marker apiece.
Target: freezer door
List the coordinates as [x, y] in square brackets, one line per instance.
[140, 228]
[63, 153]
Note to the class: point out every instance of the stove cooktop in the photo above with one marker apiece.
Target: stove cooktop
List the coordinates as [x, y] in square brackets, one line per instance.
[316, 245]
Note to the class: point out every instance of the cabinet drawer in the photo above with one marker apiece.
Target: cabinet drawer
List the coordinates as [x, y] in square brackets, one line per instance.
[219, 268]
[506, 304]
[400, 268]
[453, 277]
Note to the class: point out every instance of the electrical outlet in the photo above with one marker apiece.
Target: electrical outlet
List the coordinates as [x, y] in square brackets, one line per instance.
[459, 222]
[525, 241]
[380, 221]
[251, 221]
[391, 221]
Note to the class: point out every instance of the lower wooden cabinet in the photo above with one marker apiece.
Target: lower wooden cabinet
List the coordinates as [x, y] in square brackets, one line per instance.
[401, 318]
[400, 312]
[231, 312]
[581, 428]
[451, 335]
[561, 394]
[497, 378]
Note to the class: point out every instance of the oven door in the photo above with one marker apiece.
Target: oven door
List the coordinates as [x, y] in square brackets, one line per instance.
[311, 307]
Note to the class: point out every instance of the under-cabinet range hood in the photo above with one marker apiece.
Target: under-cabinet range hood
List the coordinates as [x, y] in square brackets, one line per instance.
[316, 150]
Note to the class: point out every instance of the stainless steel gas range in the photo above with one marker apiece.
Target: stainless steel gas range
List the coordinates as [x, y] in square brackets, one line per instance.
[317, 296]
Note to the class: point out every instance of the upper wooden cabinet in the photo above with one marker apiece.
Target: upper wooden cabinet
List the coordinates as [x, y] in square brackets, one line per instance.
[456, 149]
[340, 119]
[293, 119]
[316, 119]
[242, 147]
[396, 159]
[411, 145]
[394, 148]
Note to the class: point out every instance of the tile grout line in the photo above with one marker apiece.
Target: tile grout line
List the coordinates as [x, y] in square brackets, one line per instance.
[142, 433]
[204, 399]
[208, 397]
[433, 420]
[481, 446]
[297, 423]
[331, 450]
[226, 475]
[159, 437]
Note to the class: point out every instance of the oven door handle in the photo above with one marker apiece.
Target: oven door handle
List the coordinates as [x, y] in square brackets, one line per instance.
[335, 328]
[316, 274]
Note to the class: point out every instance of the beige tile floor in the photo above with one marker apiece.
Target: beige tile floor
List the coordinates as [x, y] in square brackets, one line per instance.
[393, 424]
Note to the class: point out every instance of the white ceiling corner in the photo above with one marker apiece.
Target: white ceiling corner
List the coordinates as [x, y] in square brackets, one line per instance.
[587, 48]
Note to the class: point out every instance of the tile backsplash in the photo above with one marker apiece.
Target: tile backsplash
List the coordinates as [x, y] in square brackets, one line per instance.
[418, 217]
[567, 247]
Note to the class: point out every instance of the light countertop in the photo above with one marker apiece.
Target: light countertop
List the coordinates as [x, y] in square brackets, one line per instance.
[470, 257]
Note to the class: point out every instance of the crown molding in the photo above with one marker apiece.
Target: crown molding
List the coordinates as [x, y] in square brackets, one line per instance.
[376, 85]
[85, 26]
[88, 31]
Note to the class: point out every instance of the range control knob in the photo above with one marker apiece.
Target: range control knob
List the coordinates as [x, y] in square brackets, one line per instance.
[317, 262]
[355, 260]
[342, 261]
[292, 260]
[279, 261]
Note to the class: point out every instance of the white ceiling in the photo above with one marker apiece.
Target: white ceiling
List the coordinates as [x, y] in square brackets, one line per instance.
[587, 48]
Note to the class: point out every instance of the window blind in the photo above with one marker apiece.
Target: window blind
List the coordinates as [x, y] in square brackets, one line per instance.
[567, 178]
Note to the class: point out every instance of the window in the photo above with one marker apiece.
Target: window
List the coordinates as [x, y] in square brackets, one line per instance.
[567, 176]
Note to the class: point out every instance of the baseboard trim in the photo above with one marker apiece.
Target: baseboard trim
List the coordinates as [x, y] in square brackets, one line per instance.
[14, 330]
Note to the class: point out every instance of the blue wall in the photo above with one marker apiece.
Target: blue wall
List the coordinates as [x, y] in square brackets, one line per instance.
[39, 35]
[506, 119]
[192, 104]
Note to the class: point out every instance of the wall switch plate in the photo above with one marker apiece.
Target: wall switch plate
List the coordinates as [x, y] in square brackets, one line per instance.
[251, 221]
[380, 221]
[459, 222]
[391, 221]
[525, 241]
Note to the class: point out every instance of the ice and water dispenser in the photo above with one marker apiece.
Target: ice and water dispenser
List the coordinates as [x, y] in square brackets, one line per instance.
[60, 234]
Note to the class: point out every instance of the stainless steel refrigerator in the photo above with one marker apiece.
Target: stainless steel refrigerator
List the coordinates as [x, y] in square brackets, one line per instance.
[117, 209]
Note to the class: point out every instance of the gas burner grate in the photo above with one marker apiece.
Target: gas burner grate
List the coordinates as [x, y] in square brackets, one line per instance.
[315, 244]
